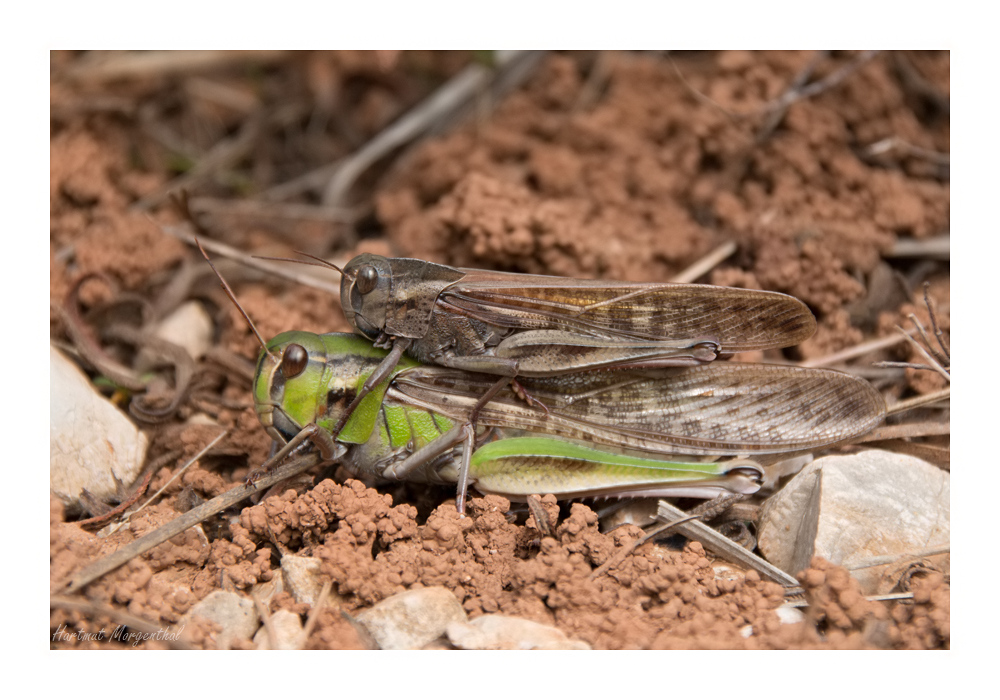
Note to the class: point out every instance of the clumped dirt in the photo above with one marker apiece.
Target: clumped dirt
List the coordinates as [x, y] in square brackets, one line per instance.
[608, 165]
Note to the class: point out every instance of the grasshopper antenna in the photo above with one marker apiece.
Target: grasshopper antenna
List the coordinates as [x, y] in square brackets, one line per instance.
[320, 262]
[229, 293]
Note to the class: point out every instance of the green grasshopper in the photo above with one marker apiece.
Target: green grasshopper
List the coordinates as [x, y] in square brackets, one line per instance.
[304, 381]
[515, 326]
[409, 425]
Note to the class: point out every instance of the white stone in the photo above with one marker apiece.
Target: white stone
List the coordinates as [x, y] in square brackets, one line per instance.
[235, 614]
[790, 615]
[503, 632]
[855, 510]
[190, 327]
[302, 578]
[89, 438]
[412, 619]
[773, 473]
[727, 572]
[639, 512]
[287, 628]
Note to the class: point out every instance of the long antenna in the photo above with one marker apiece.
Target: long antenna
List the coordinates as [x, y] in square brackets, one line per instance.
[229, 292]
[320, 262]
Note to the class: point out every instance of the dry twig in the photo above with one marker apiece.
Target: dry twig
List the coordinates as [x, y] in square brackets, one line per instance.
[447, 100]
[895, 143]
[224, 154]
[143, 65]
[852, 352]
[706, 264]
[916, 401]
[908, 430]
[136, 494]
[102, 566]
[252, 262]
[934, 248]
[314, 612]
[723, 546]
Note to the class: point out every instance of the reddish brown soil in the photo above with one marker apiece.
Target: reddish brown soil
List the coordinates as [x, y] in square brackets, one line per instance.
[615, 166]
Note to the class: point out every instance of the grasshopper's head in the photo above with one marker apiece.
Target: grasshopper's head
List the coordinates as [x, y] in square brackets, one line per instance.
[306, 378]
[365, 290]
[289, 383]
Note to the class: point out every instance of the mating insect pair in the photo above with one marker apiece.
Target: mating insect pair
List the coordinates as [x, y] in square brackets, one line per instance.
[656, 393]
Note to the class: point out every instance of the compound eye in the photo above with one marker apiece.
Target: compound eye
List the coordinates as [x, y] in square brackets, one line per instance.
[367, 279]
[294, 360]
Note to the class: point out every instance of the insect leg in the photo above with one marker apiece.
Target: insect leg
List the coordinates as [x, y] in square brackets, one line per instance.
[487, 364]
[435, 448]
[463, 470]
[485, 398]
[374, 379]
[311, 434]
[462, 433]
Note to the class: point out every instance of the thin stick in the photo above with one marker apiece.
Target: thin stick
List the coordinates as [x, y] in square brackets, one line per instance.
[619, 556]
[780, 106]
[134, 65]
[890, 596]
[927, 341]
[278, 210]
[265, 615]
[934, 363]
[852, 352]
[789, 97]
[121, 507]
[702, 97]
[916, 401]
[917, 85]
[940, 457]
[312, 182]
[248, 260]
[596, 80]
[936, 248]
[201, 453]
[873, 598]
[902, 365]
[706, 264]
[447, 99]
[896, 143]
[175, 355]
[943, 360]
[314, 613]
[909, 430]
[838, 76]
[102, 566]
[879, 372]
[723, 546]
[932, 311]
[228, 151]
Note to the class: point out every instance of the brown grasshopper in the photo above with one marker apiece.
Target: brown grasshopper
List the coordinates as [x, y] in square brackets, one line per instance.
[514, 325]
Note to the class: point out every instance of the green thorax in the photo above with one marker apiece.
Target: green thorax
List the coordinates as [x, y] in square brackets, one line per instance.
[338, 366]
[402, 424]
